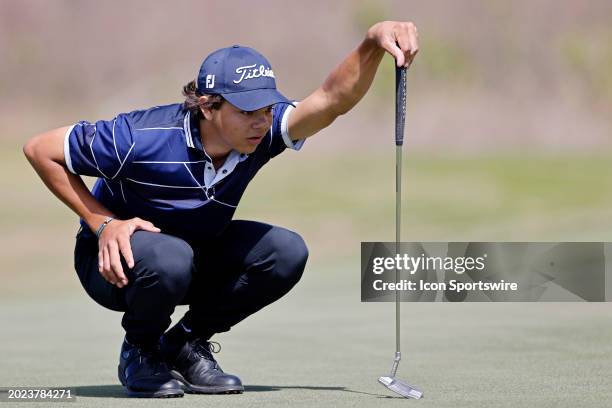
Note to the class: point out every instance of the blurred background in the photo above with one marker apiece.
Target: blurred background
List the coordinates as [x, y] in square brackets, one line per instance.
[508, 134]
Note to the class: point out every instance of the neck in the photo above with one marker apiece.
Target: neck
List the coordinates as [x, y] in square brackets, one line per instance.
[212, 143]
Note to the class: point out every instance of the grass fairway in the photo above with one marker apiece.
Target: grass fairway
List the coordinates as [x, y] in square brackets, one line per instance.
[319, 346]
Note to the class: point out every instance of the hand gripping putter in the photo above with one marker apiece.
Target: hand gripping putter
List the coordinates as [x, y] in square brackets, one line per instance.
[392, 383]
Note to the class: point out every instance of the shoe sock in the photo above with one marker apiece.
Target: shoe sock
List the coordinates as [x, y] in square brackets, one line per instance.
[176, 337]
[129, 344]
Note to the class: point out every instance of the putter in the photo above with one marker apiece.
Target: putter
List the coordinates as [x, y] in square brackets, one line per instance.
[391, 382]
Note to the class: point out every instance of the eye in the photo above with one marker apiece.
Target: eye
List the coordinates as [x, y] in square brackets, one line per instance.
[246, 113]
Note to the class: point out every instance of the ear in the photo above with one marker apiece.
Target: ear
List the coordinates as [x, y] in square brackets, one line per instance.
[206, 111]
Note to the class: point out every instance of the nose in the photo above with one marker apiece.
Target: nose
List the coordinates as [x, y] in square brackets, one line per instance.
[263, 119]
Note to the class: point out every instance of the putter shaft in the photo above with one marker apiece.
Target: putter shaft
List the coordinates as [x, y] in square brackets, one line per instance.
[398, 223]
[392, 383]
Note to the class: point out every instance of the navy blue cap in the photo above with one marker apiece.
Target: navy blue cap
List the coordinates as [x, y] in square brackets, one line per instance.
[242, 76]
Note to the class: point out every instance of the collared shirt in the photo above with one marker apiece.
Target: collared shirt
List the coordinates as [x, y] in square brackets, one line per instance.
[151, 164]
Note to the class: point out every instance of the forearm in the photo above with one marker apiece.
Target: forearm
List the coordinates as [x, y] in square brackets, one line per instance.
[350, 81]
[342, 89]
[68, 187]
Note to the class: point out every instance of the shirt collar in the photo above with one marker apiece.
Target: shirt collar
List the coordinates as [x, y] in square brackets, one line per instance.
[193, 138]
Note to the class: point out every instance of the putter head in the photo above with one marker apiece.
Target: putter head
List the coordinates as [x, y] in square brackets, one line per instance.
[400, 387]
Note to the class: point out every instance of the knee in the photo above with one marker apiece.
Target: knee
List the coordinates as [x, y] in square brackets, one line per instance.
[166, 262]
[291, 255]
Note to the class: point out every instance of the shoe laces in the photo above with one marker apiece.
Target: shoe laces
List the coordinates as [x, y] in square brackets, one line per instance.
[205, 348]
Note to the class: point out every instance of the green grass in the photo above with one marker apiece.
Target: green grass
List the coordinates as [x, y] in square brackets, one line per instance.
[444, 198]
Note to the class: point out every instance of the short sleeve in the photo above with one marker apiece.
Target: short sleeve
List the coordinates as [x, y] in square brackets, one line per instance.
[100, 149]
[280, 139]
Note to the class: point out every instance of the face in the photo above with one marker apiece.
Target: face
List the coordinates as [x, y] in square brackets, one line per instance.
[240, 130]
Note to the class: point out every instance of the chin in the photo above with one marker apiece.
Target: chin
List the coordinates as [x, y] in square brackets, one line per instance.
[247, 149]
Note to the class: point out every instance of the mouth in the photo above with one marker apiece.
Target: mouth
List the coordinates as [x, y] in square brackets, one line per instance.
[255, 139]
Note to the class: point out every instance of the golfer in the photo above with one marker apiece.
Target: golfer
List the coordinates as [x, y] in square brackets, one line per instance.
[157, 229]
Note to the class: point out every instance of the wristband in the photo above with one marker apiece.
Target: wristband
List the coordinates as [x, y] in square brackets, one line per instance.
[103, 225]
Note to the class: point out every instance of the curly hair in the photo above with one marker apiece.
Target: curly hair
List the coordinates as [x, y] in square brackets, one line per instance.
[194, 104]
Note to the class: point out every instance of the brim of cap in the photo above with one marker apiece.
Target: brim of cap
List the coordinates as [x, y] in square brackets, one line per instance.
[255, 99]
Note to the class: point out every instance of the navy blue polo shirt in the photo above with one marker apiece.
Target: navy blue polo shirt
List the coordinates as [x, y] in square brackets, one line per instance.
[151, 164]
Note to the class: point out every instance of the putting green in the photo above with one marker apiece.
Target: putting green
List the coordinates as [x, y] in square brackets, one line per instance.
[319, 347]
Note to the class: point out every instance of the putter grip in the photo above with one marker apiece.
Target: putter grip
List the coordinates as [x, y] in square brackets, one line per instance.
[400, 104]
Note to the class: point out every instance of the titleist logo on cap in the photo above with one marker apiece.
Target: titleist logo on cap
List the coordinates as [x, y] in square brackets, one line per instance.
[252, 71]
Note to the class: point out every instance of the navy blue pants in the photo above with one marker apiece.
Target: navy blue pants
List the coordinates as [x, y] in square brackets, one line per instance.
[223, 280]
